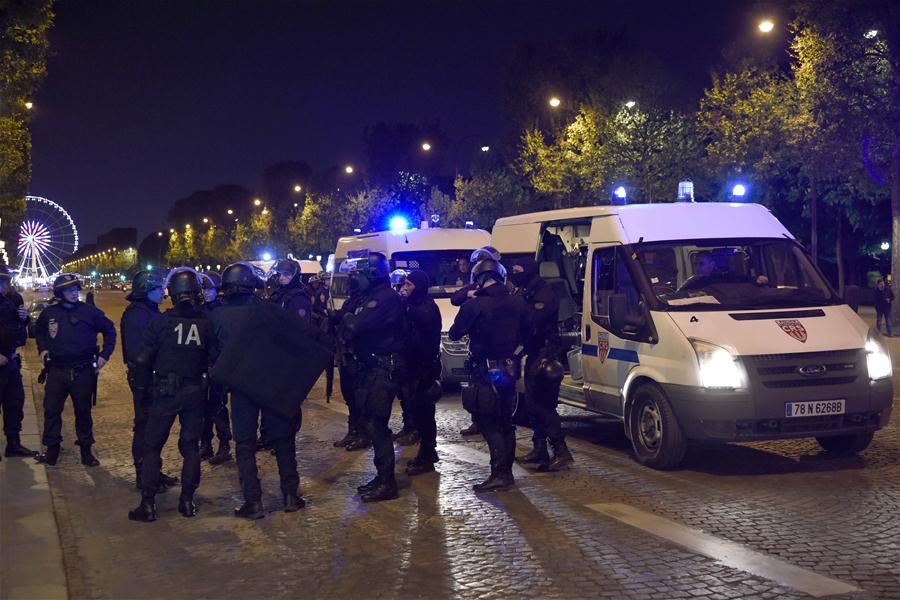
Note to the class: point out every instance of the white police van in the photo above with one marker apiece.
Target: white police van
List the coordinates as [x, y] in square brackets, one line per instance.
[443, 253]
[704, 322]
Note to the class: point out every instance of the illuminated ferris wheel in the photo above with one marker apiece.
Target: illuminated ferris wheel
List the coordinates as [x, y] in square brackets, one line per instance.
[47, 238]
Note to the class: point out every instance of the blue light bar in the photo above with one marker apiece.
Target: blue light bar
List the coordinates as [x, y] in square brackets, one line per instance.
[398, 224]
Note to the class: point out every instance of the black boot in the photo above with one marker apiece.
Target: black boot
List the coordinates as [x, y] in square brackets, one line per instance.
[369, 486]
[167, 480]
[562, 458]
[409, 438]
[145, 511]
[419, 467]
[359, 443]
[471, 429]
[223, 455]
[206, 451]
[186, 506]
[50, 456]
[14, 447]
[352, 434]
[293, 503]
[250, 510]
[383, 491]
[87, 457]
[538, 455]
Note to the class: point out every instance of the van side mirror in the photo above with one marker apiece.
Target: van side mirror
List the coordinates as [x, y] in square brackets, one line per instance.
[625, 317]
[851, 296]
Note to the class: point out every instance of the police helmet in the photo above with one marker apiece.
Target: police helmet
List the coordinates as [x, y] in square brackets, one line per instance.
[398, 276]
[373, 265]
[5, 275]
[211, 281]
[183, 284]
[64, 282]
[488, 268]
[143, 282]
[285, 266]
[241, 278]
[484, 252]
[550, 371]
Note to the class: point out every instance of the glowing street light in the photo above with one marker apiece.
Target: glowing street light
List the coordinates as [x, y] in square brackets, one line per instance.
[265, 211]
[29, 105]
[555, 102]
[426, 146]
[187, 226]
[885, 246]
[348, 169]
[630, 104]
[159, 234]
[230, 212]
[297, 188]
[205, 220]
[171, 230]
[870, 34]
[485, 148]
[766, 26]
[257, 202]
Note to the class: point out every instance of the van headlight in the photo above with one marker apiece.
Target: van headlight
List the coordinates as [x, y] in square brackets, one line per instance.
[878, 359]
[718, 366]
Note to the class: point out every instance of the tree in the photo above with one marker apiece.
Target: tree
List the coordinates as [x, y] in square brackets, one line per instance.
[325, 217]
[23, 65]
[485, 198]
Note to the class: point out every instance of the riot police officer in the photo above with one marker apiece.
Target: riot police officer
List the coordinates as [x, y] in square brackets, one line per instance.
[215, 406]
[498, 325]
[349, 369]
[408, 434]
[13, 333]
[374, 332]
[239, 283]
[289, 292]
[172, 363]
[318, 287]
[459, 297]
[147, 293]
[66, 335]
[419, 386]
[543, 371]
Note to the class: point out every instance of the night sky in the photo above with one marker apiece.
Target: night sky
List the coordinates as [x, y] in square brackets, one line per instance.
[147, 101]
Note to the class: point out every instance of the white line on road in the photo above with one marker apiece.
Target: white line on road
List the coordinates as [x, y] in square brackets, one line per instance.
[728, 553]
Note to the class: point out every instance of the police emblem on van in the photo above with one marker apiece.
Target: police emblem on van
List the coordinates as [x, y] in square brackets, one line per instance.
[793, 328]
[602, 346]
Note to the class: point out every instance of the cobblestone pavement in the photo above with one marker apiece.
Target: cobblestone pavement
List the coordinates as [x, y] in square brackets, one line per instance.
[786, 500]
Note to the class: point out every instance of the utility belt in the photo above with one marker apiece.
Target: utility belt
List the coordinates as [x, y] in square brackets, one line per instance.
[496, 370]
[171, 383]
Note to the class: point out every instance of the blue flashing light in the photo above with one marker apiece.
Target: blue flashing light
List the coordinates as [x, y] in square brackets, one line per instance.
[470, 224]
[620, 196]
[398, 224]
[267, 256]
[149, 266]
[739, 190]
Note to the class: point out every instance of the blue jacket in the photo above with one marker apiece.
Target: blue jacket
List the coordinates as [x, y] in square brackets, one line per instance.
[69, 333]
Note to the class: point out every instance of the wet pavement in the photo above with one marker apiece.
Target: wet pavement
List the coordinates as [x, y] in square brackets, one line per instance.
[765, 520]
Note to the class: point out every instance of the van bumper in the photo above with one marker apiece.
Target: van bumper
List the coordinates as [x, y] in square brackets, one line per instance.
[453, 361]
[747, 415]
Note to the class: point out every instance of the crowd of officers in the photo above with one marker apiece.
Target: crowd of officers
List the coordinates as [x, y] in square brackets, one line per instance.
[387, 338]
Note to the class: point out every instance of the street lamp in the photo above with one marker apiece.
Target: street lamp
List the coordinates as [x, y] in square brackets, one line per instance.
[870, 34]
[485, 148]
[205, 220]
[426, 146]
[348, 169]
[885, 246]
[766, 26]
[630, 104]
[257, 202]
[172, 230]
[29, 105]
[265, 211]
[159, 234]
[187, 226]
[230, 212]
[297, 188]
[555, 102]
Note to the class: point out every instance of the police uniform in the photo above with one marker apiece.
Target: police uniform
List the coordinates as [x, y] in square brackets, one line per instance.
[498, 324]
[422, 367]
[541, 393]
[68, 332]
[375, 334]
[357, 437]
[246, 414]
[215, 412]
[13, 333]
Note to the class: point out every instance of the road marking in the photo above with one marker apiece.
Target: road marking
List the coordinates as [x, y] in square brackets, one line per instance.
[728, 553]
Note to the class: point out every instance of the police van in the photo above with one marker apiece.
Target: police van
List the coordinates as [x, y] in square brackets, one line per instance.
[443, 253]
[704, 322]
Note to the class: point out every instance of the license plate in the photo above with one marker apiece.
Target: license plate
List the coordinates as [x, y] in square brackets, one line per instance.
[816, 408]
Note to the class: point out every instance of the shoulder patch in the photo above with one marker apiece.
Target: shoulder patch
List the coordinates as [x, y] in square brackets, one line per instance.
[371, 303]
[539, 306]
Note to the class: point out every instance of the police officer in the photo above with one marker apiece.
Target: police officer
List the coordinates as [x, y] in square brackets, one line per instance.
[215, 406]
[498, 325]
[318, 288]
[13, 333]
[374, 332]
[349, 369]
[147, 293]
[408, 434]
[459, 297]
[66, 335]
[543, 371]
[289, 292]
[239, 284]
[422, 367]
[173, 362]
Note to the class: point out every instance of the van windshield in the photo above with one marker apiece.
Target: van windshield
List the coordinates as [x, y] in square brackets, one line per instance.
[733, 274]
[447, 269]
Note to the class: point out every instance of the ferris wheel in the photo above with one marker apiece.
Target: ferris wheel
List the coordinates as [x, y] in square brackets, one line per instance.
[46, 238]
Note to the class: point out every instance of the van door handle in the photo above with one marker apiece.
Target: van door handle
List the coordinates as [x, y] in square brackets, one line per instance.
[587, 333]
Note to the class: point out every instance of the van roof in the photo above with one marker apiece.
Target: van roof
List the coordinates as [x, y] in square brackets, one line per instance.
[413, 240]
[669, 221]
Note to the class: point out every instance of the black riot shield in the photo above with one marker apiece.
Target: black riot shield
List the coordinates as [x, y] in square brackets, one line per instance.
[274, 359]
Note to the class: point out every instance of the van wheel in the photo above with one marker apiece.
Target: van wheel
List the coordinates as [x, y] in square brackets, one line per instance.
[846, 444]
[656, 435]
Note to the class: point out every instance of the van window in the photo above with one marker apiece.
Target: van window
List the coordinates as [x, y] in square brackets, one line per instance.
[448, 270]
[611, 276]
